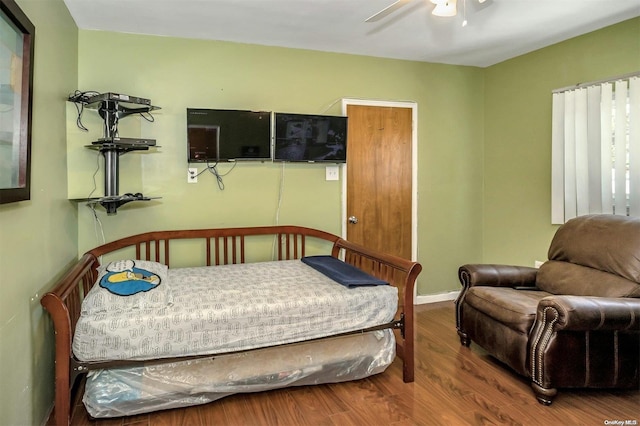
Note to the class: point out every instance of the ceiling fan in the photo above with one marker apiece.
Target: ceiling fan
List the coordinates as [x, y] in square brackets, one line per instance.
[444, 8]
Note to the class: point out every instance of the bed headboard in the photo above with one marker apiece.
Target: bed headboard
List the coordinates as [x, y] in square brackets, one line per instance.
[221, 246]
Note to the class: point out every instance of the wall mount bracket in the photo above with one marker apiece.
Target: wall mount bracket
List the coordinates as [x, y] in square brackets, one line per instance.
[112, 107]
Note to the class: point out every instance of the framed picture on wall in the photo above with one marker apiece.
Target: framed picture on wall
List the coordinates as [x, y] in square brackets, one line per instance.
[16, 84]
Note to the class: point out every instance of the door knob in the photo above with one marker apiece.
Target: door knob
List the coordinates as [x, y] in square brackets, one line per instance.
[353, 219]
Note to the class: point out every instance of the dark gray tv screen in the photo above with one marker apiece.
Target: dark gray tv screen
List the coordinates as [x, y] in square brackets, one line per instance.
[215, 135]
[310, 138]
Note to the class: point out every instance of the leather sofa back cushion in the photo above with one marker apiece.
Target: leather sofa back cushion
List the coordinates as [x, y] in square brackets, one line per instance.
[605, 242]
[567, 278]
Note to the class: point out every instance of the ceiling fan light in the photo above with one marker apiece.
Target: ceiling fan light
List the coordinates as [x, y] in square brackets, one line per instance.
[481, 1]
[445, 9]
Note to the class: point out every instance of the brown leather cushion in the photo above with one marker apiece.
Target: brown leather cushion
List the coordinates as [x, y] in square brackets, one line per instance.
[514, 308]
[604, 242]
[566, 278]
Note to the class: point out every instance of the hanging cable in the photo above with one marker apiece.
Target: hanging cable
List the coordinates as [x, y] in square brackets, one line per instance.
[80, 99]
[97, 224]
[280, 194]
[212, 168]
[148, 116]
[277, 218]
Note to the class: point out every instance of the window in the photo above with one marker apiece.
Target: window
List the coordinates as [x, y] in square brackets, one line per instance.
[596, 149]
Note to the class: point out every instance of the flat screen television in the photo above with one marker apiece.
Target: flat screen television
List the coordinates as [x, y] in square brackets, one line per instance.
[310, 138]
[215, 135]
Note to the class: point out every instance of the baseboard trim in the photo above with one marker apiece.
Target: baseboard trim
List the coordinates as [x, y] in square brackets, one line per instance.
[434, 298]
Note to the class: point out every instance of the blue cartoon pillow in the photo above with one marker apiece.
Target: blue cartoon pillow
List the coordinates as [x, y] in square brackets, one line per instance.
[124, 278]
[123, 285]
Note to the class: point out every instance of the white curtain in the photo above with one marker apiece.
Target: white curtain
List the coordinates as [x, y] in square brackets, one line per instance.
[596, 150]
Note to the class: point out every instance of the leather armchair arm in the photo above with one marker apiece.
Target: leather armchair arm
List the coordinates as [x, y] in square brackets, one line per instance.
[578, 315]
[497, 275]
[582, 313]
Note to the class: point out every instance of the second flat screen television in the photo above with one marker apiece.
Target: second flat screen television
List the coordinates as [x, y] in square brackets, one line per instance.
[228, 135]
[310, 138]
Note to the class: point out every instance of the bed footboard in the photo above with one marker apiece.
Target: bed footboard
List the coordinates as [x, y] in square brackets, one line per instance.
[401, 273]
[220, 246]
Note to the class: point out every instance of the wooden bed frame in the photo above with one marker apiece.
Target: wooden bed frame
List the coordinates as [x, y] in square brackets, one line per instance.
[223, 246]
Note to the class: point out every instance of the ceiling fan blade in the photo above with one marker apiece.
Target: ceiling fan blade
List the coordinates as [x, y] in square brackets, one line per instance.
[387, 10]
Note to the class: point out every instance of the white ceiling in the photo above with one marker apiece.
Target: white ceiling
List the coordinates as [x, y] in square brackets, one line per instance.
[497, 29]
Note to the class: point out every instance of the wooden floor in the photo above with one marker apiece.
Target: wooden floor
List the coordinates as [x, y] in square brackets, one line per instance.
[454, 386]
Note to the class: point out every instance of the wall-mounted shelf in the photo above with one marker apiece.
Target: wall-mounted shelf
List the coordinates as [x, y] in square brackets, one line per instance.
[112, 107]
[111, 204]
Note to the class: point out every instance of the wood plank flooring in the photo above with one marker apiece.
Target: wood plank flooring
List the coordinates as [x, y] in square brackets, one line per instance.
[454, 386]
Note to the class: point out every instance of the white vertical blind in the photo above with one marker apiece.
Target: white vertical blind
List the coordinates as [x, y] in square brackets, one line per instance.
[557, 157]
[606, 107]
[594, 154]
[596, 150]
[570, 201]
[620, 148]
[581, 151]
[634, 147]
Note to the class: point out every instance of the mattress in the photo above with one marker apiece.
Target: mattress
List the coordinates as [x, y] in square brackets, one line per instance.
[120, 392]
[234, 307]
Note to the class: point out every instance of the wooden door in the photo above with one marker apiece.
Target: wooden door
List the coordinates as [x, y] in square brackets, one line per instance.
[379, 177]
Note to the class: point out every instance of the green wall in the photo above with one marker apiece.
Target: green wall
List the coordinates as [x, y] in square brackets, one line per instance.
[517, 143]
[179, 73]
[38, 237]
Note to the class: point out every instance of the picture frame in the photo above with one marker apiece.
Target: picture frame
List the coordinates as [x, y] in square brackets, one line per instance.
[16, 94]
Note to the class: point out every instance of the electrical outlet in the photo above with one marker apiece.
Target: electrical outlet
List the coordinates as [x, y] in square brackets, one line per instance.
[192, 175]
[333, 173]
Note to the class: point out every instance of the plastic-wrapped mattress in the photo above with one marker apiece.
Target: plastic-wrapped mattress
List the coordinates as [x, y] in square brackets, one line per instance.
[120, 392]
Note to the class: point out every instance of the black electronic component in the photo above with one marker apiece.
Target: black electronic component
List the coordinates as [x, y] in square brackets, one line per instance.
[133, 142]
[117, 97]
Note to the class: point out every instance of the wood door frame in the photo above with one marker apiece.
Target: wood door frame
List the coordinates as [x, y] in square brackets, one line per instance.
[414, 164]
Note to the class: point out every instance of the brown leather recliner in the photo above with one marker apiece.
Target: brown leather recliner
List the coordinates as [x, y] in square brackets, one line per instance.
[573, 323]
